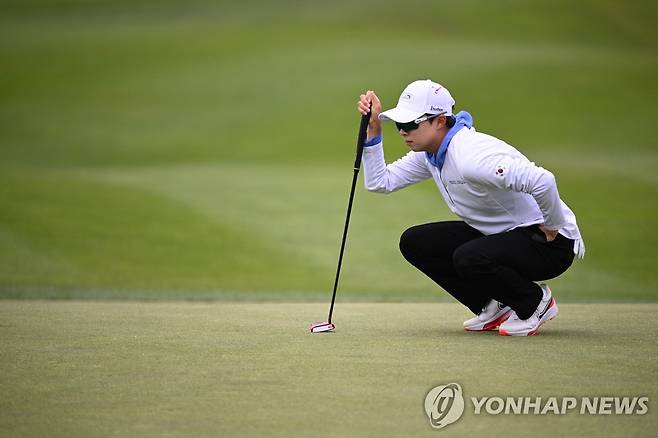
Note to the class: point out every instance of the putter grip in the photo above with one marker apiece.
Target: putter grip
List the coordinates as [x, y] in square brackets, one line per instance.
[363, 131]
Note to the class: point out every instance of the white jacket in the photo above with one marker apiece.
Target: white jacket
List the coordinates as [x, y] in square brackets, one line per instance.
[486, 182]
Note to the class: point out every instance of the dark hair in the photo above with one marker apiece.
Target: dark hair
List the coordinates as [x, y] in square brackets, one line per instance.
[450, 120]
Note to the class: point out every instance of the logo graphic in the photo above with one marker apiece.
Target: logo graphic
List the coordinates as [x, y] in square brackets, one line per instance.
[444, 405]
[500, 170]
[406, 96]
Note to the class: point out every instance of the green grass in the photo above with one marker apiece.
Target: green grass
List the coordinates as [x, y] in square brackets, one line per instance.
[269, 232]
[248, 369]
[203, 150]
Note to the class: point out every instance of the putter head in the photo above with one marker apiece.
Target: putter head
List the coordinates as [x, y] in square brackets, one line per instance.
[324, 326]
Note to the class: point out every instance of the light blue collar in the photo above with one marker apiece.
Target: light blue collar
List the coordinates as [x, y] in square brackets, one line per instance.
[464, 119]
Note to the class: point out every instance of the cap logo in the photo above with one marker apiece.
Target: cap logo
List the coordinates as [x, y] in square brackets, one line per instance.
[437, 90]
[435, 108]
[406, 96]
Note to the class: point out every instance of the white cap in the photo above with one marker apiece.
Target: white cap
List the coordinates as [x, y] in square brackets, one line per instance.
[419, 98]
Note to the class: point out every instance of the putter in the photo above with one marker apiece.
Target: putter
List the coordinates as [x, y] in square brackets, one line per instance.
[328, 326]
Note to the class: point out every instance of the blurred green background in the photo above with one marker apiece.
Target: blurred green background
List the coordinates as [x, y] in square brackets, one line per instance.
[203, 150]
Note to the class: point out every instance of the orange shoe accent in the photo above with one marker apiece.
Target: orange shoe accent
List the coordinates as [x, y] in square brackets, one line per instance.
[496, 323]
[493, 325]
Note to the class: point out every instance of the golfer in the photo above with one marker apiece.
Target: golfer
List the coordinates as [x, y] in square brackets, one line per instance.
[514, 228]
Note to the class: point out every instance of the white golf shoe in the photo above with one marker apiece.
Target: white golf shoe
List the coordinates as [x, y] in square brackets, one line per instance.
[492, 315]
[545, 311]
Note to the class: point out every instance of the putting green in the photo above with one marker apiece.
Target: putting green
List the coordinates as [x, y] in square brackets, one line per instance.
[252, 369]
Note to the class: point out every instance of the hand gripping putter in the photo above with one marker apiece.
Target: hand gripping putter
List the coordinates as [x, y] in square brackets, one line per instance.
[327, 326]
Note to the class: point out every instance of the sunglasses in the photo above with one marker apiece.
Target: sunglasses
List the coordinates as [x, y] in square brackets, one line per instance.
[410, 126]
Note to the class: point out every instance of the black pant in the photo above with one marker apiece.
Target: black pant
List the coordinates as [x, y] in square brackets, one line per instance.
[475, 268]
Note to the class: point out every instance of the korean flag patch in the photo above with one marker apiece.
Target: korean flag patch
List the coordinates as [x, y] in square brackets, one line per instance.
[501, 170]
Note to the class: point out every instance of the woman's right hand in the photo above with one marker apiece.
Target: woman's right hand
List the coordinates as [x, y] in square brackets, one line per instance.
[370, 102]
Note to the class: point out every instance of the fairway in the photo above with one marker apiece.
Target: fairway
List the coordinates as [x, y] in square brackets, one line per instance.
[174, 177]
[203, 150]
[247, 369]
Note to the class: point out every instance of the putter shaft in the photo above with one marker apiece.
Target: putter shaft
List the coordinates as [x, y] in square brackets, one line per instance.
[361, 139]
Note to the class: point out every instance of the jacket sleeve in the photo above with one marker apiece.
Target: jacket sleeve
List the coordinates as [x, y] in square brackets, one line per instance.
[382, 178]
[517, 173]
